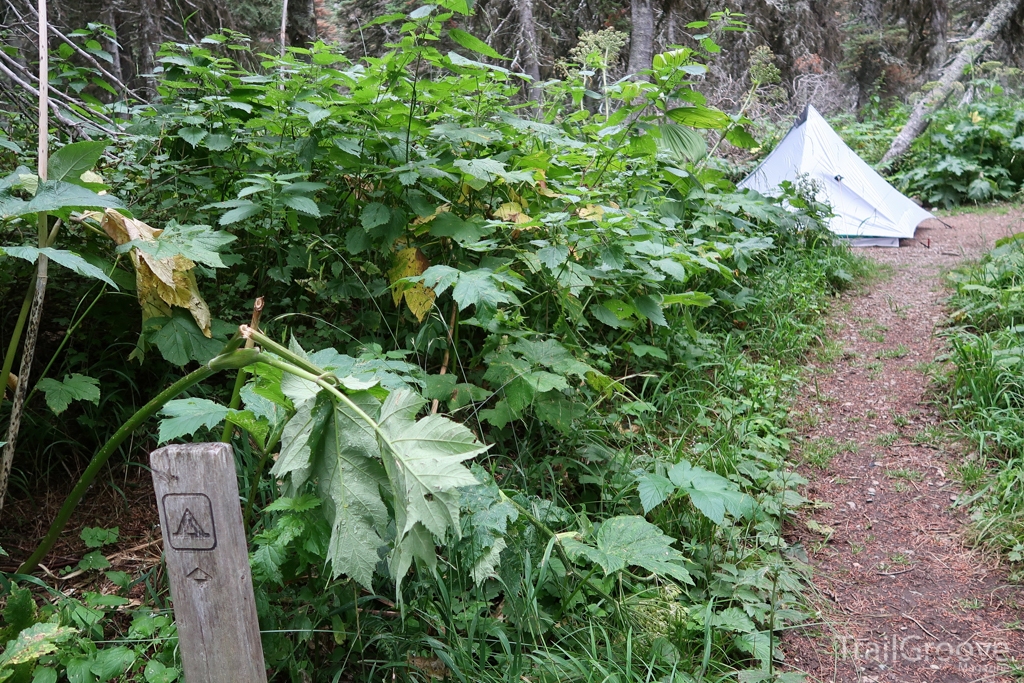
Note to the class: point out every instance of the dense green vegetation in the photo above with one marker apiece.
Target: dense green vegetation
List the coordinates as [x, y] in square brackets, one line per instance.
[566, 291]
[987, 394]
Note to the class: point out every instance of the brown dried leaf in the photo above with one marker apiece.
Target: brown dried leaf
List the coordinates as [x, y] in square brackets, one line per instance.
[161, 283]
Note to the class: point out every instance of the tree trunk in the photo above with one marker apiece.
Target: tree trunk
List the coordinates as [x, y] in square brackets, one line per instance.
[937, 52]
[284, 27]
[301, 23]
[528, 33]
[973, 48]
[872, 50]
[641, 40]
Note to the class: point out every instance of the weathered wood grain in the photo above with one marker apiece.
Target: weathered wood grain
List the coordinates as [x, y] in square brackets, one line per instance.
[208, 563]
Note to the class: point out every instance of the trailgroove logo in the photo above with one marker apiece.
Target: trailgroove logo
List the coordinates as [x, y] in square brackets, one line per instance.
[919, 649]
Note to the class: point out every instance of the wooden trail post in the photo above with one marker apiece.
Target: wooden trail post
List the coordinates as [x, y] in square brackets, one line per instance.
[208, 563]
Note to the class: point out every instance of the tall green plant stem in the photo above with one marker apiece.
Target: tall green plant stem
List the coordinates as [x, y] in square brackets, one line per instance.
[100, 459]
[236, 391]
[36, 312]
[19, 327]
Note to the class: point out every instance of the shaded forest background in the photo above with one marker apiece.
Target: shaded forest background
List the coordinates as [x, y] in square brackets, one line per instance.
[836, 53]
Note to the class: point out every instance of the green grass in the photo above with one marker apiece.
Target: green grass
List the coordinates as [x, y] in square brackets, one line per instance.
[886, 439]
[900, 351]
[821, 452]
[904, 473]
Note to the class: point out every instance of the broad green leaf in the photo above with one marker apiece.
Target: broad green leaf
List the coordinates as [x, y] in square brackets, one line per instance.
[739, 137]
[487, 170]
[21, 179]
[485, 525]
[650, 308]
[735, 620]
[554, 256]
[682, 142]
[424, 463]
[458, 60]
[688, 299]
[699, 116]
[301, 204]
[349, 478]
[421, 12]
[218, 142]
[244, 209]
[299, 443]
[631, 541]
[62, 257]
[710, 493]
[456, 133]
[474, 44]
[71, 161]
[552, 355]
[373, 215]
[608, 317]
[673, 268]
[35, 642]
[192, 136]
[439, 387]
[56, 196]
[185, 416]
[44, 674]
[75, 387]
[641, 350]
[97, 537]
[556, 410]
[479, 287]
[156, 672]
[654, 490]
[199, 243]
[448, 224]
[180, 340]
[20, 610]
[111, 662]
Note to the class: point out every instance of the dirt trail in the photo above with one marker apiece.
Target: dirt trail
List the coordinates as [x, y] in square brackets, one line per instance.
[902, 596]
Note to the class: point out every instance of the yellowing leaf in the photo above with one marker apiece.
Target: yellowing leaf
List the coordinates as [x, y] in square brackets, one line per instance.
[420, 300]
[512, 212]
[162, 283]
[591, 212]
[410, 262]
[437, 212]
[976, 117]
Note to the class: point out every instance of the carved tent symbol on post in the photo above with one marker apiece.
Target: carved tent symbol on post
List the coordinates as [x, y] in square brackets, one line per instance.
[190, 521]
[188, 526]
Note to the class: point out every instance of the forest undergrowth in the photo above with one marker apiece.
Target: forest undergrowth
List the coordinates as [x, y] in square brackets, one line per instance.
[563, 292]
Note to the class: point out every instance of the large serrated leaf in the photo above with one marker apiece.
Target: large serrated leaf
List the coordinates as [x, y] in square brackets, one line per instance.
[57, 196]
[349, 478]
[199, 243]
[185, 416]
[631, 541]
[34, 642]
[71, 161]
[654, 490]
[710, 493]
[75, 387]
[68, 259]
[424, 462]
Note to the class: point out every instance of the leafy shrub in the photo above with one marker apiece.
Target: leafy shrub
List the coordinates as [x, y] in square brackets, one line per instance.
[578, 290]
[968, 153]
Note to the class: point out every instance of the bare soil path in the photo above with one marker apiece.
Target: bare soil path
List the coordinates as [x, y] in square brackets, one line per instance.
[902, 597]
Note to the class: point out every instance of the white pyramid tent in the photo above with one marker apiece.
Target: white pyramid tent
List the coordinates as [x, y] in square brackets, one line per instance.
[868, 210]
